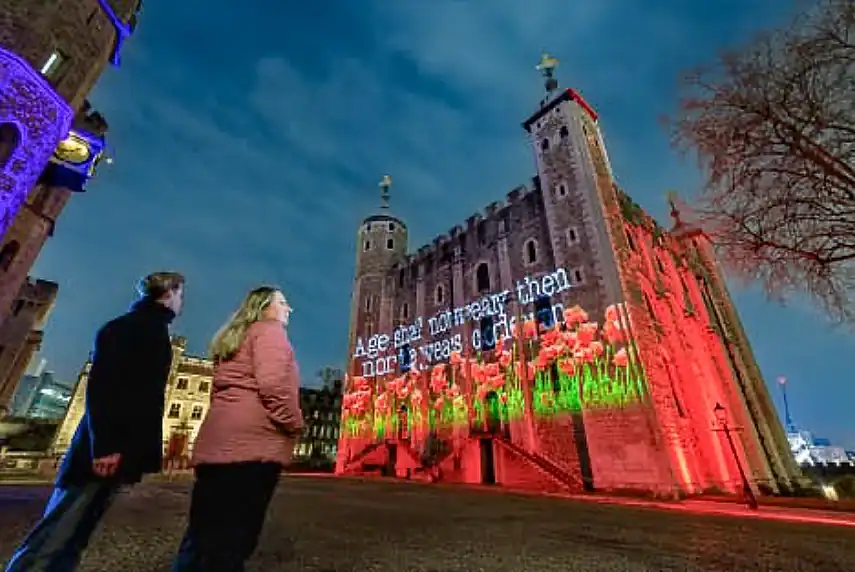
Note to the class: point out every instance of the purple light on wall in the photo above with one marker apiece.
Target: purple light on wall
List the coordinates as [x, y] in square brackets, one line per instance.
[42, 118]
[123, 31]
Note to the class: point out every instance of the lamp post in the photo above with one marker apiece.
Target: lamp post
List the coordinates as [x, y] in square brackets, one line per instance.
[788, 421]
[721, 417]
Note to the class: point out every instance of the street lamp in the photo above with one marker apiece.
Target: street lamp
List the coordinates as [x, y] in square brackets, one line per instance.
[721, 417]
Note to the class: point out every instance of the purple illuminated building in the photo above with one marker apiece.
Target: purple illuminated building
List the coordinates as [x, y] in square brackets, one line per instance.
[51, 139]
[33, 120]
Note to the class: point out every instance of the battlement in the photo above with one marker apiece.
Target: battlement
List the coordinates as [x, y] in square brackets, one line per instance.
[38, 291]
[440, 247]
[91, 121]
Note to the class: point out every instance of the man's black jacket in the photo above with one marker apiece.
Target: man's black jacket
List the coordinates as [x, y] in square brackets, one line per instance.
[124, 397]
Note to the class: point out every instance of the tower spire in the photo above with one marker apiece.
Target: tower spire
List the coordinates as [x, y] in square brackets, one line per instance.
[385, 184]
[675, 211]
[546, 67]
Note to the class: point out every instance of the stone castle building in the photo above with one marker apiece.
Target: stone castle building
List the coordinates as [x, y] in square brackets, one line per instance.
[188, 394]
[573, 236]
[22, 332]
[51, 55]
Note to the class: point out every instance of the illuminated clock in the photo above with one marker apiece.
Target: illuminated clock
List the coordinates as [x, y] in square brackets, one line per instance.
[73, 150]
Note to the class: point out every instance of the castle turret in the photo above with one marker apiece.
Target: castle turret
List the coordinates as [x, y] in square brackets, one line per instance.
[381, 244]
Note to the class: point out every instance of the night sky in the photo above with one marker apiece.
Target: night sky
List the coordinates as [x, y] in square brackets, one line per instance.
[249, 138]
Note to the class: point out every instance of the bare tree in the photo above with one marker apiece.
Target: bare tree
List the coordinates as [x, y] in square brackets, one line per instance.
[773, 127]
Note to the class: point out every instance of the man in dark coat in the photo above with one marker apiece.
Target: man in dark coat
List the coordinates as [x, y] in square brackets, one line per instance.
[120, 437]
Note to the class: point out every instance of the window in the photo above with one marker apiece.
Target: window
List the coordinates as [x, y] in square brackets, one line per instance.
[174, 411]
[10, 137]
[439, 295]
[578, 275]
[204, 386]
[564, 133]
[401, 276]
[368, 304]
[390, 243]
[482, 278]
[482, 233]
[54, 64]
[561, 190]
[544, 145]
[572, 236]
[182, 383]
[366, 246]
[8, 254]
[405, 311]
[530, 251]
[196, 414]
[391, 226]
[19, 305]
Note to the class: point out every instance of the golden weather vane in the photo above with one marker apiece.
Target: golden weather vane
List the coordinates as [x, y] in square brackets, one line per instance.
[385, 184]
[546, 67]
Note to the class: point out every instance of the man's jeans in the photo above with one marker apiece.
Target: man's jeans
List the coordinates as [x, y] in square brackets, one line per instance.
[57, 542]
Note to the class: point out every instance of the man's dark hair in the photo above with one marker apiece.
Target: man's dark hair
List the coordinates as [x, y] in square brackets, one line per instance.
[156, 285]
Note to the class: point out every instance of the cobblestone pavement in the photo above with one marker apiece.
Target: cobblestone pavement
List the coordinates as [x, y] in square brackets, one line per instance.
[344, 526]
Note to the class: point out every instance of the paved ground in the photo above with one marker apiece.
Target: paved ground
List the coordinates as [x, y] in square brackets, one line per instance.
[344, 526]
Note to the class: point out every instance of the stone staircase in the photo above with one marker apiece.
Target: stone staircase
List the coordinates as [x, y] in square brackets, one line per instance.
[546, 467]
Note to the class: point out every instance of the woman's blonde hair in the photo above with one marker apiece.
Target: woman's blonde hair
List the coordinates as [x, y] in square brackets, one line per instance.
[229, 338]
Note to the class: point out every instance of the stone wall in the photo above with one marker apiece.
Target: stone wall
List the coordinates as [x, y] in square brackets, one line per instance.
[624, 450]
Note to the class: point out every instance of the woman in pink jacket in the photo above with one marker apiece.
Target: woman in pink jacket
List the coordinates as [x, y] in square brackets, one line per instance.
[247, 437]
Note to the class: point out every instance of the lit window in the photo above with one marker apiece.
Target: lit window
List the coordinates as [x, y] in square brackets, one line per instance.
[53, 64]
[196, 414]
[174, 411]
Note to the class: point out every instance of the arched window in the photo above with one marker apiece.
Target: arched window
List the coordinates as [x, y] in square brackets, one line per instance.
[10, 137]
[564, 133]
[439, 295]
[8, 254]
[482, 278]
[544, 145]
[530, 251]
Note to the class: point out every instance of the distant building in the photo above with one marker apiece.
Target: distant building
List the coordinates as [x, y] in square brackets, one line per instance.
[21, 334]
[322, 413]
[809, 450]
[41, 397]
